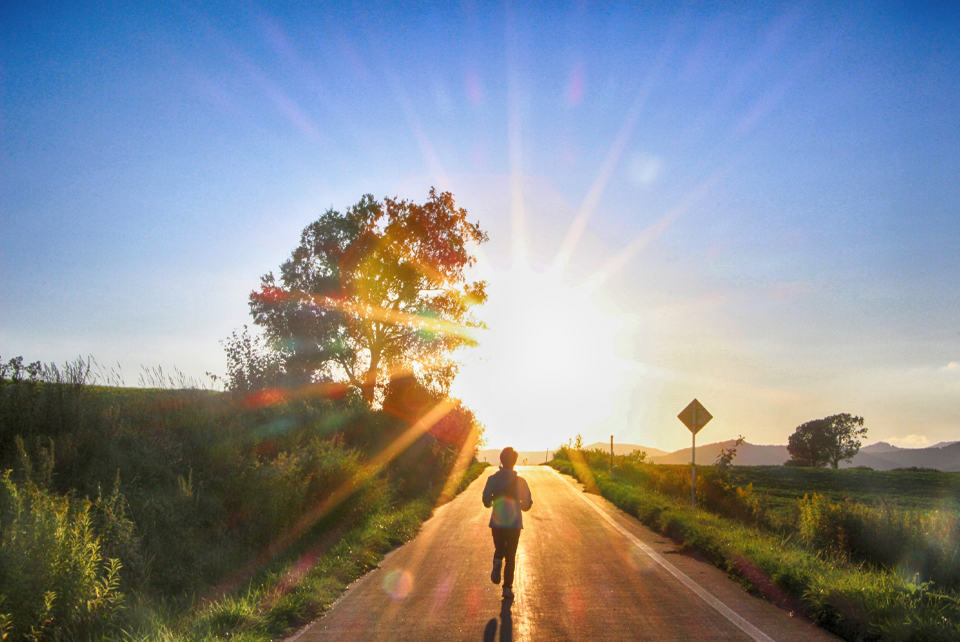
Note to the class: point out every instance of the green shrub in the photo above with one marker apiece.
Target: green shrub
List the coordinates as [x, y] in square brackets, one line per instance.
[716, 491]
[54, 583]
[926, 545]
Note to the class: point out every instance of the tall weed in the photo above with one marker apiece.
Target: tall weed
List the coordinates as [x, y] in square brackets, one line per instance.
[925, 545]
[54, 582]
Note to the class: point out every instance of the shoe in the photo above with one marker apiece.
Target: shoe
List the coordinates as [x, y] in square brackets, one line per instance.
[495, 573]
[507, 593]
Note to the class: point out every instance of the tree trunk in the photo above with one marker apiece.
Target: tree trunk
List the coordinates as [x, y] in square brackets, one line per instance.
[370, 379]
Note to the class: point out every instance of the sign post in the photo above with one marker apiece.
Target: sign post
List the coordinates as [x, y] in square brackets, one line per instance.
[694, 417]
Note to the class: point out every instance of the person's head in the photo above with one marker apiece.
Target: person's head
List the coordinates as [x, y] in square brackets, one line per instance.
[508, 457]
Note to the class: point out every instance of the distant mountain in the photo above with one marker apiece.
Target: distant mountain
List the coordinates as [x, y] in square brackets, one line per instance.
[884, 447]
[946, 458]
[531, 457]
[747, 455]
[944, 444]
[492, 455]
[880, 447]
[879, 456]
[626, 449]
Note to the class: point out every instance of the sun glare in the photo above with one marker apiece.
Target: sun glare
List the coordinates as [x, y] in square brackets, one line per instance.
[546, 367]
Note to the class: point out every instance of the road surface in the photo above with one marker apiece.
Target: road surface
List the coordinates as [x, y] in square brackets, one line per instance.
[585, 571]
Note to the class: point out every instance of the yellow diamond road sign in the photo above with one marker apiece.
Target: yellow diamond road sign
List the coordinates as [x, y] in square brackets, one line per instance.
[695, 416]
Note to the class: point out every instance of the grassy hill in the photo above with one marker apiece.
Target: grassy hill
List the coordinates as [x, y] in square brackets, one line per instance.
[183, 514]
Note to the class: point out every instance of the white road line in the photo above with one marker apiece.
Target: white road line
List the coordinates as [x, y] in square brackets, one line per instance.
[705, 595]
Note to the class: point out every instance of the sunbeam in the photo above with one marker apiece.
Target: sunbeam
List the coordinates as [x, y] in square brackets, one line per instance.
[619, 260]
[518, 231]
[619, 143]
[333, 500]
[427, 149]
[375, 313]
[464, 457]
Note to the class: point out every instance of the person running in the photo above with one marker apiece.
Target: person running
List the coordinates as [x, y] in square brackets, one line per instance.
[509, 495]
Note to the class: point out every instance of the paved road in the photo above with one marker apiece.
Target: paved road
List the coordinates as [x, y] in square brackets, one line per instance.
[585, 571]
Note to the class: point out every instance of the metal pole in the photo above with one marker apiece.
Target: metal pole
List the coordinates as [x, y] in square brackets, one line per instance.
[611, 457]
[693, 463]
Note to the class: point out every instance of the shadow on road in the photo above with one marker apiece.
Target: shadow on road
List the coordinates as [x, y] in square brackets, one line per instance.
[506, 624]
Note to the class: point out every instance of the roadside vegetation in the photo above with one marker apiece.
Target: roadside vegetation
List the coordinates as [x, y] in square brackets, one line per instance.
[188, 514]
[881, 565]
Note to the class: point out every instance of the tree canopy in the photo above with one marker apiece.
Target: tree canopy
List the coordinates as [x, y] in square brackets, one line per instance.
[379, 291]
[826, 441]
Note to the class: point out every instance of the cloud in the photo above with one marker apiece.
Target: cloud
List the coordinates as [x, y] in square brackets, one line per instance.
[953, 366]
[910, 441]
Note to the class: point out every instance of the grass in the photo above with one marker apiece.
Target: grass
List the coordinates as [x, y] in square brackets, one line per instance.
[303, 589]
[856, 601]
[906, 489]
[293, 594]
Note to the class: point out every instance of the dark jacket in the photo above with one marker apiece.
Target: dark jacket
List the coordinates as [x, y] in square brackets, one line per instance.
[509, 495]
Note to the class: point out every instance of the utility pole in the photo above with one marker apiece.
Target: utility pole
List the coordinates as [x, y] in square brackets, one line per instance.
[611, 457]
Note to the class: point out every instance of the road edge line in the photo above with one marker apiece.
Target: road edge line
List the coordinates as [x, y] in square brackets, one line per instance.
[702, 593]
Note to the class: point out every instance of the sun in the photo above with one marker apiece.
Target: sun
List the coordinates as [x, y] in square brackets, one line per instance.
[545, 368]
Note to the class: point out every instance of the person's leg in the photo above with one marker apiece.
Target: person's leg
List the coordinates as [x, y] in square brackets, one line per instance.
[499, 546]
[511, 538]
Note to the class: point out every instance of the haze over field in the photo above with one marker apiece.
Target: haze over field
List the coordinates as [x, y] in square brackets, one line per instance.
[755, 206]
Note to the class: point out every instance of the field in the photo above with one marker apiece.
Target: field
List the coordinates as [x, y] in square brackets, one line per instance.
[782, 486]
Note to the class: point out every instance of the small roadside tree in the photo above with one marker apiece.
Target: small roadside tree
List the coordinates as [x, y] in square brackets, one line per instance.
[727, 455]
[826, 441]
[377, 291]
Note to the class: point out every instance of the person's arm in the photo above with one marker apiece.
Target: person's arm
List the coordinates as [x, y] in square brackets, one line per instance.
[526, 500]
[488, 494]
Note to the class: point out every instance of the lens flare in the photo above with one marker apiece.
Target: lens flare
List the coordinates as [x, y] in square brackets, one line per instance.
[398, 584]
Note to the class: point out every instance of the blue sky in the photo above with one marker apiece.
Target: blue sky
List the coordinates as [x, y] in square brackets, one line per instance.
[787, 176]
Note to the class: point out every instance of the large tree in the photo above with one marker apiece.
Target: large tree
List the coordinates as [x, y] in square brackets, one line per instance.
[826, 441]
[378, 291]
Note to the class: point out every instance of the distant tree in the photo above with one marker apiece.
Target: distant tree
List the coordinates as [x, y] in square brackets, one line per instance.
[377, 291]
[826, 441]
